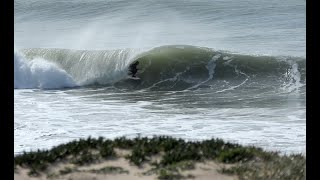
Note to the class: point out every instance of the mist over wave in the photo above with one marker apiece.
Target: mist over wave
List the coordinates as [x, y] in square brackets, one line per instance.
[256, 27]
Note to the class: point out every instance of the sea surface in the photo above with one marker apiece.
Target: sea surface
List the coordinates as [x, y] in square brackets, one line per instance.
[230, 69]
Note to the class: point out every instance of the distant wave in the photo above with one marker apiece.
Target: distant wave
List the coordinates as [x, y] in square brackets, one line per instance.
[174, 67]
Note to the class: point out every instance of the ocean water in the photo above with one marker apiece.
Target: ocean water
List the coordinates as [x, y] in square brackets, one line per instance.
[208, 69]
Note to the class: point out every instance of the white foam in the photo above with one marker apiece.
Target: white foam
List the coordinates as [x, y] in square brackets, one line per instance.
[39, 73]
[294, 77]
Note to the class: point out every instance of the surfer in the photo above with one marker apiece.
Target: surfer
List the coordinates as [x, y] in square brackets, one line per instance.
[133, 68]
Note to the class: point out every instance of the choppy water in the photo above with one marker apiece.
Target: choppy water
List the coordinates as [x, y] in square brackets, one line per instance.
[228, 69]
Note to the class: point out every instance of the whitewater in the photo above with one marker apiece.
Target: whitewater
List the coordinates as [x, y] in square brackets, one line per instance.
[234, 70]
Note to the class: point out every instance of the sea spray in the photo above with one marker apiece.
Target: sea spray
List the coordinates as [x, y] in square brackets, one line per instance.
[39, 73]
[293, 77]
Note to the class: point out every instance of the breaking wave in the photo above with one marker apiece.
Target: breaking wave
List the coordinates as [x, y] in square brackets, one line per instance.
[174, 67]
[39, 73]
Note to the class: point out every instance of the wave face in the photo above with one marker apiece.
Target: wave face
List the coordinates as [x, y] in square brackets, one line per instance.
[175, 67]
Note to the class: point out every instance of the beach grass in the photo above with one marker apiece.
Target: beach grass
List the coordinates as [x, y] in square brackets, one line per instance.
[177, 155]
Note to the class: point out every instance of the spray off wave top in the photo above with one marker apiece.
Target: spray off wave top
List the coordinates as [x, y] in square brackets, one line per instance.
[174, 67]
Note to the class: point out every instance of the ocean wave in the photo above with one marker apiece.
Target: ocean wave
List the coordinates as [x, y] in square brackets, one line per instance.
[175, 67]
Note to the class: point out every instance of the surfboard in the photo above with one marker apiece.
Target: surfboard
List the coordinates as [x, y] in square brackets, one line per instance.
[134, 78]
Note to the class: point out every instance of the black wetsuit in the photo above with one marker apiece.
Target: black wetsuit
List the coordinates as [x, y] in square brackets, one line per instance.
[133, 69]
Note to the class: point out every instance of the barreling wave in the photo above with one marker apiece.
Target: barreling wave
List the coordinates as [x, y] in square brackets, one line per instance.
[175, 67]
